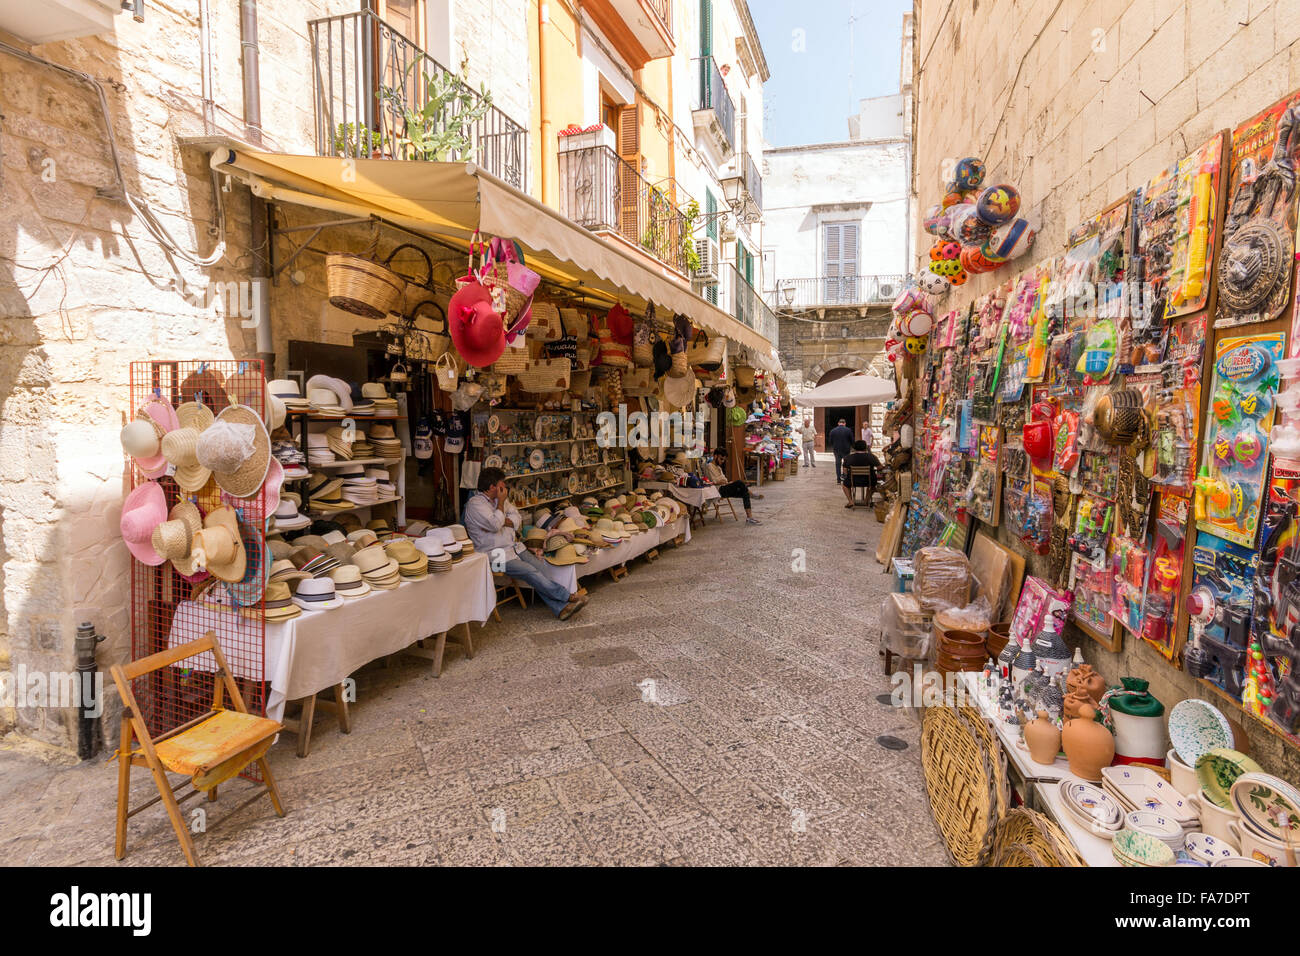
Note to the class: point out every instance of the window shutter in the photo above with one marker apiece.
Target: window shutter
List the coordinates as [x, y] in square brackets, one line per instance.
[629, 150]
[849, 263]
[711, 214]
[831, 240]
[706, 28]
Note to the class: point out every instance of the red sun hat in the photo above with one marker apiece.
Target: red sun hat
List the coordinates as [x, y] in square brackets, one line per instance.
[476, 328]
[619, 321]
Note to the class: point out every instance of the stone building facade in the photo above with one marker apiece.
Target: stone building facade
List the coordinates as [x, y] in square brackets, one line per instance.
[1079, 103]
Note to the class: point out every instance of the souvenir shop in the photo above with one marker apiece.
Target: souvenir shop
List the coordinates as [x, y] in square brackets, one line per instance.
[305, 509]
[1093, 534]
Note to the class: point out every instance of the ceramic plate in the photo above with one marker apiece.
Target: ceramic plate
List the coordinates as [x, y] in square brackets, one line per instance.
[1144, 789]
[494, 425]
[573, 484]
[492, 461]
[537, 430]
[537, 459]
[1090, 804]
[1219, 769]
[1197, 727]
[1138, 849]
[1206, 847]
[1163, 828]
[575, 452]
[1262, 799]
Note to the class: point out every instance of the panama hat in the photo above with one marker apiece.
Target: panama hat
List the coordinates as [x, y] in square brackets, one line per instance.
[144, 510]
[284, 570]
[288, 392]
[219, 547]
[174, 538]
[363, 538]
[180, 448]
[277, 606]
[348, 582]
[536, 537]
[287, 517]
[340, 389]
[317, 594]
[611, 532]
[565, 556]
[280, 549]
[237, 448]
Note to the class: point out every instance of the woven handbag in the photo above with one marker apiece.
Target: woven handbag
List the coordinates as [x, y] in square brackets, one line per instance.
[566, 346]
[545, 325]
[643, 337]
[577, 323]
[613, 354]
[745, 376]
[364, 287]
[512, 361]
[444, 369]
[547, 375]
[707, 353]
[639, 382]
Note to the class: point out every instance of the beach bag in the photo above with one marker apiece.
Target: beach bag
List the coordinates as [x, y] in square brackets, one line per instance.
[706, 353]
[544, 376]
[444, 370]
[545, 325]
[565, 347]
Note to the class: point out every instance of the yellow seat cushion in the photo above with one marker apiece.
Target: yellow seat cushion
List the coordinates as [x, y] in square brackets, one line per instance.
[207, 745]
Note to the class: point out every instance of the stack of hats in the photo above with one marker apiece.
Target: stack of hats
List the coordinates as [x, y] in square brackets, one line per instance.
[380, 571]
[412, 563]
[418, 529]
[341, 392]
[362, 538]
[290, 457]
[317, 594]
[377, 395]
[325, 493]
[340, 443]
[462, 536]
[447, 538]
[277, 604]
[357, 487]
[384, 480]
[385, 441]
[325, 403]
[380, 526]
[611, 532]
[287, 391]
[284, 571]
[319, 451]
[287, 517]
[560, 551]
[439, 560]
[361, 447]
[349, 583]
[535, 538]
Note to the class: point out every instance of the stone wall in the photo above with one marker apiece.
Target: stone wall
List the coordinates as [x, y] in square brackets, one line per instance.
[1078, 103]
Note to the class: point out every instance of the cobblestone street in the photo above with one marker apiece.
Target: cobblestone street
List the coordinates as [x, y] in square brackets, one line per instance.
[764, 746]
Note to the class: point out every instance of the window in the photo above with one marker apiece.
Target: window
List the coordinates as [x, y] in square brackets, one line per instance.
[839, 262]
[711, 214]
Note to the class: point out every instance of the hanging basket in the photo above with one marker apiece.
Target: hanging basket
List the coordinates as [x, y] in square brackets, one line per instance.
[707, 353]
[577, 323]
[545, 326]
[681, 367]
[512, 361]
[639, 382]
[445, 372]
[437, 342]
[544, 376]
[580, 381]
[613, 354]
[358, 285]
[745, 376]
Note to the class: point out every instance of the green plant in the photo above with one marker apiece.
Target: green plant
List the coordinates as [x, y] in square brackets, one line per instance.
[441, 128]
[350, 140]
[691, 213]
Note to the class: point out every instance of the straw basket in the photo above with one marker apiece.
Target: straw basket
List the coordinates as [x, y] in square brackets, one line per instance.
[613, 354]
[512, 361]
[543, 376]
[965, 780]
[639, 382]
[577, 323]
[545, 324]
[361, 286]
[707, 353]
[744, 376]
[681, 368]
[579, 381]
[1026, 838]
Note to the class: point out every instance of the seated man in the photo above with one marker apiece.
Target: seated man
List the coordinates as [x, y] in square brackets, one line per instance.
[493, 525]
[714, 471]
[860, 457]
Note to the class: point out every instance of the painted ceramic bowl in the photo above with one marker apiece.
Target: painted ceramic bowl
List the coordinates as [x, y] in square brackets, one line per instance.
[1267, 805]
[1218, 770]
[1207, 848]
[1181, 775]
[1131, 848]
[1091, 804]
[1237, 861]
[1163, 828]
[1256, 847]
[1196, 727]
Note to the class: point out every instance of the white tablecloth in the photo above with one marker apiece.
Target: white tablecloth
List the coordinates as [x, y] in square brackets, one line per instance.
[319, 649]
[695, 497]
[606, 558]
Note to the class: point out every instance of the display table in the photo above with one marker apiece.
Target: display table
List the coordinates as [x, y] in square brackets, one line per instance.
[606, 558]
[693, 498]
[1038, 782]
[320, 649]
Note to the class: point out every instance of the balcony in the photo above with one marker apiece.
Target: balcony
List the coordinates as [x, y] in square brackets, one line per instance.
[714, 112]
[744, 191]
[379, 96]
[603, 193]
[650, 23]
[836, 292]
[737, 296]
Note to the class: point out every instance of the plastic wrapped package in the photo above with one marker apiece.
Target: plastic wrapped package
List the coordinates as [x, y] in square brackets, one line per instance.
[975, 617]
[942, 579]
[906, 626]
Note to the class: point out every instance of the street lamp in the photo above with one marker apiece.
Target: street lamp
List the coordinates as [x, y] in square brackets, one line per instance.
[788, 292]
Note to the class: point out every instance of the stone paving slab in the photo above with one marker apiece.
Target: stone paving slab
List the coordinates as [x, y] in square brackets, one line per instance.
[714, 708]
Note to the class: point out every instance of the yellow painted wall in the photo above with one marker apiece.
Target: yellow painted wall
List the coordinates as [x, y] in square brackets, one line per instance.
[557, 86]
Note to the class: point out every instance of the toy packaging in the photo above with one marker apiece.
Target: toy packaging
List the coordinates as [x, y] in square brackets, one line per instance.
[1219, 606]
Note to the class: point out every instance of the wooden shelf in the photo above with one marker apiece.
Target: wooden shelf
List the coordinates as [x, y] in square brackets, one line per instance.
[339, 511]
[388, 462]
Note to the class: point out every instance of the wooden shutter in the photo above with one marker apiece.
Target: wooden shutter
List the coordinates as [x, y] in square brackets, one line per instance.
[849, 263]
[629, 150]
[706, 28]
[711, 214]
[742, 123]
[840, 260]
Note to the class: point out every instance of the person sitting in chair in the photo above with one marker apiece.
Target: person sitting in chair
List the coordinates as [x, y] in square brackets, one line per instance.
[493, 525]
[860, 457]
[715, 471]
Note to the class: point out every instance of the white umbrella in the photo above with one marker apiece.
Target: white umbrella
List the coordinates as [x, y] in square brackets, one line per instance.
[856, 389]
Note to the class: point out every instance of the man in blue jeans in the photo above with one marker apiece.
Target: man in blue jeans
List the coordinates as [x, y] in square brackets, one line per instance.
[493, 526]
[841, 441]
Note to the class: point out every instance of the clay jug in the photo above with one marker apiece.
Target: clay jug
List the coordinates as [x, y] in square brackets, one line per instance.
[1088, 745]
[1084, 678]
[1043, 739]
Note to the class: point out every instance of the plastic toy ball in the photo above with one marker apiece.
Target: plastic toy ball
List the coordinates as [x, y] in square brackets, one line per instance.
[1010, 240]
[959, 278]
[934, 285]
[936, 251]
[916, 345]
[969, 173]
[974, 231]
[952, 198]
[936, 221]
[951, 250]
[998, 204]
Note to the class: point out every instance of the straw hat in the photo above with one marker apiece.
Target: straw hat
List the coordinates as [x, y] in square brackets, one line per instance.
[278, 604]
[349, 583]
[144, 510]
[248, 590]
[219, 547]
[194, 415]
[611, 532]
[340, 390]
[535, 538]
[180, 448]
[174, 538]
[287, 517]
[565, 556]
[280, 550]
[680, 392]
[317, 594]
[285, 570]
[288, 392]
[363, 538]
[237, 447]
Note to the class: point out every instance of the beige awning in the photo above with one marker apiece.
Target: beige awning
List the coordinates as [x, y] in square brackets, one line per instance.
[453, 200]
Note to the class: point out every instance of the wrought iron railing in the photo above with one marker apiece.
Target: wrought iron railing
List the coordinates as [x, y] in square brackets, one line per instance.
[663, 9]
[712, 95]
[836, 291]
[379, 96]
[753, 180]
[602, 192]
[738, 297]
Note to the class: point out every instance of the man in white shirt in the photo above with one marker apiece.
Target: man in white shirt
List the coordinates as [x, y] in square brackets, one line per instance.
[809, 435]
[492, 523]
[868, 435]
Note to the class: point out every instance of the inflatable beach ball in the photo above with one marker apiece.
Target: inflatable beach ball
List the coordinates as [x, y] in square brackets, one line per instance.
[998, 204]
[969, 173]
[1010, 240]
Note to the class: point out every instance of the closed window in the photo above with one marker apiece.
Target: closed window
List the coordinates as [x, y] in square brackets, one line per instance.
[840, 262]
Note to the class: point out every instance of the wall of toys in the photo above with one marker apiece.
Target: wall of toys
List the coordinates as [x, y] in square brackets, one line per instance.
[1125, 411]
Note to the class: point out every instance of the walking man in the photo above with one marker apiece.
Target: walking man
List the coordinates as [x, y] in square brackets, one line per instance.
[492, 524]
[841, 441]
[734, 489]
[868, 435]
[809, 435]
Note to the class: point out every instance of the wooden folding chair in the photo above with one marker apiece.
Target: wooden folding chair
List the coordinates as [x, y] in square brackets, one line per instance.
[209, 749]
[855, 472]
[505, 584]
[717, 507]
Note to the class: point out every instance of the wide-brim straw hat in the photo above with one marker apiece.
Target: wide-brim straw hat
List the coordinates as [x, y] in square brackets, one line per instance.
[219, 547]
[239, 470]
[180, 448]
[565, 557]
[144, 510]
[318, 594]
[174, 538]
[285, 570]
[277, 605]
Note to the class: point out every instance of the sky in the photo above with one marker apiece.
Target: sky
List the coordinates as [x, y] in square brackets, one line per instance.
[821, 68]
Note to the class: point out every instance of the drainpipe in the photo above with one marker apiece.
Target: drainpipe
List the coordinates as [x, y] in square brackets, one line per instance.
[90, 734]
[259, 271]
[543, 21]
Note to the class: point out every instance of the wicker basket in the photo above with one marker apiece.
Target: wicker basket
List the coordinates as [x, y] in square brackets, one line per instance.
[744, 376]
[545, 324]
[363, 287]
[579, 381]
[544, 376]
[643, 355]
[707, 353]
[1026, 838]
[576, 323]
[512, 361]
[639, 382]
[681, 368]
[964, 780]
[614, 354]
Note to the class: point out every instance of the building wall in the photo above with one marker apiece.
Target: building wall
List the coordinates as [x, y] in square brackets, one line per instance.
[1078, 104]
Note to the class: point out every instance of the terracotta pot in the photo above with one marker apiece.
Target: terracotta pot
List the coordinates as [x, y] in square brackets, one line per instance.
[1075, 701]
[999, 635]
[1088, 745]
[1084, 678]
[1043, 739]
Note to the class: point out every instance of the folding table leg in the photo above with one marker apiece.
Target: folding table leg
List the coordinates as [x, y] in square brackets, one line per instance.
[341, 710]
[304, 725]
[468, 642]
[440, 645]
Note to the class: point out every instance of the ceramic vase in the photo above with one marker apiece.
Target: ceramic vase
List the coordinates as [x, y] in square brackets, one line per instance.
[1043, 739]
[1088, 745]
